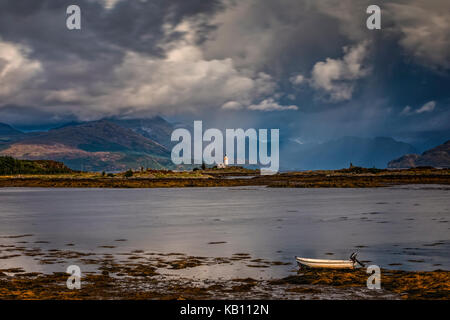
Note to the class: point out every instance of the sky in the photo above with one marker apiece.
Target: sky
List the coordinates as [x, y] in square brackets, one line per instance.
[310, 68]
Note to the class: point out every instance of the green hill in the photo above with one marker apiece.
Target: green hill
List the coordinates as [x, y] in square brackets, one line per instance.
[9, 165]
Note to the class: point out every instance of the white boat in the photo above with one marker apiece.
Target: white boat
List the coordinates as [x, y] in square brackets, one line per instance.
[331, 264]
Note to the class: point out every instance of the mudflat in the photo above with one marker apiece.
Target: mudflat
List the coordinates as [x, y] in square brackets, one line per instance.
[146, 275]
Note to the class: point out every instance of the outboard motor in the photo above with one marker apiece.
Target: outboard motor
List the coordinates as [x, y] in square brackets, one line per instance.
[353, 258]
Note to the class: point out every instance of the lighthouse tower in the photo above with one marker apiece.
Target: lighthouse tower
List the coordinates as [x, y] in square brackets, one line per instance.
[225, 161]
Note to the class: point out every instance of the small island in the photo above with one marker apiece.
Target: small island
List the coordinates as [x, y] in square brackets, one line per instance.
[53, 174]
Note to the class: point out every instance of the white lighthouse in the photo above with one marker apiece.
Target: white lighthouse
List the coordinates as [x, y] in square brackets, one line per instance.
[225, 161]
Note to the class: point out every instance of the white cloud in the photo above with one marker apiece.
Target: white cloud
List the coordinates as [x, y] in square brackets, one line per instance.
[109, 4]
[182, 81]
[16, 71]
[271, 105]
[427, 107]
[297, 140]
[232, 105]
[297, 79]
[336, 77]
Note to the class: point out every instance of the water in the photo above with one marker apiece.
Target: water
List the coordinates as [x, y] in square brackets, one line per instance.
[399, 228]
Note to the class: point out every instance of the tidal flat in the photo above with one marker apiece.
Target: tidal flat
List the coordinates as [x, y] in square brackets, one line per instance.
[149, 275]
[217, 243]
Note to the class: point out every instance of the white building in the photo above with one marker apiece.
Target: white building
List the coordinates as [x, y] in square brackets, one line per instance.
[224, 164]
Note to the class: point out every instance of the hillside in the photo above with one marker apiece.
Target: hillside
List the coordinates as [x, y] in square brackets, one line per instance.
[156, 129]
[9, 165]
[98, 136]
[438, 157]
[97, 145]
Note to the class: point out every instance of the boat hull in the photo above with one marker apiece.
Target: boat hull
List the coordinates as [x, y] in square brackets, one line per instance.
[321, 263]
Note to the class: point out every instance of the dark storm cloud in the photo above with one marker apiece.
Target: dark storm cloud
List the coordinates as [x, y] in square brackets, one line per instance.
[31, 118]
[281, 37]
[313, 62]
[134, 25]
[105, 34]
[69, 60]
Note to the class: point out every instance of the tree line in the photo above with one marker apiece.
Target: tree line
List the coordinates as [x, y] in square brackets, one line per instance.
[9, 165]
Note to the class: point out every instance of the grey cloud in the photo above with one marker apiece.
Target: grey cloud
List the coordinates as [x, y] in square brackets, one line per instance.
[275, 36]
[351, 16]
[424, 30]
[135, 25]
[33, 118]
[196, 56]
[78, 69]
[427, 107]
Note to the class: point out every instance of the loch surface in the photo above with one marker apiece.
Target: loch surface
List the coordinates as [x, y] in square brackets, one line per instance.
[402, 227]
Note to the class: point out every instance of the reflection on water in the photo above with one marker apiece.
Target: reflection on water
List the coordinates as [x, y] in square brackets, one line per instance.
[398, 228]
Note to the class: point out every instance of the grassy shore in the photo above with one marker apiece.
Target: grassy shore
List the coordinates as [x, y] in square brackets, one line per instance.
[234, 176]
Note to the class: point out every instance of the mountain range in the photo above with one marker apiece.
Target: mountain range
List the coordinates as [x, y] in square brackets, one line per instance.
[438, 157]
[97, 145]
[117, 145]
[339, 153]
[8, 133]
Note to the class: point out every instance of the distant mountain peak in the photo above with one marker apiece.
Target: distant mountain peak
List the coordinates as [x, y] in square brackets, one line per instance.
[7, 130]
[438, 157]
[156, 128]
